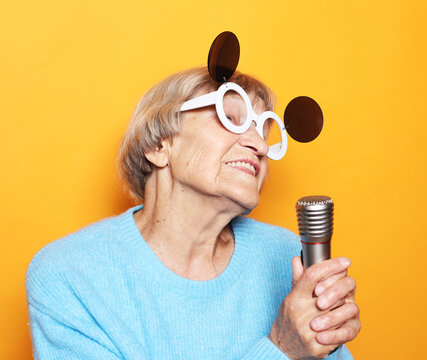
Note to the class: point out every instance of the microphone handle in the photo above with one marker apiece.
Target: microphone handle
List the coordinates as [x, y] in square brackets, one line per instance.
[314, 251]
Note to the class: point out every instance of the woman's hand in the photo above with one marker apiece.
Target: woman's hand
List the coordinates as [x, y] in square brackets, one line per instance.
[309, 327]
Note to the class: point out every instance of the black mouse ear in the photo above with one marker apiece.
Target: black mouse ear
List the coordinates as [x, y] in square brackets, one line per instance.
[303, 119]
[223, 56]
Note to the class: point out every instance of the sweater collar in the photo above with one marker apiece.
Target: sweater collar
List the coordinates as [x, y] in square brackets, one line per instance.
[145, 260]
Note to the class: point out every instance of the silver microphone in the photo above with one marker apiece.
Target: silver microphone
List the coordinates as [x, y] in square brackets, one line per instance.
[315, 224]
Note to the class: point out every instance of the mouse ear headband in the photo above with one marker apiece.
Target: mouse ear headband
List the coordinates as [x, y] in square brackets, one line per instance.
[303, 117]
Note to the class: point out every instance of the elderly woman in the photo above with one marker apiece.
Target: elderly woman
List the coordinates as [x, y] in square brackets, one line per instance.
[186, 276]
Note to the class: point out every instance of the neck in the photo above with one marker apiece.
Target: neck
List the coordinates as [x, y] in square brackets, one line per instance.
[189, 232]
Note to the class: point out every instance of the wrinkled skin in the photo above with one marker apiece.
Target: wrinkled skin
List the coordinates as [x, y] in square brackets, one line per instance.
[196, 174]
[320, 313]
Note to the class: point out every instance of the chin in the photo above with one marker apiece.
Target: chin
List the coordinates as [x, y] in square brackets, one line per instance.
[246, 212]
[247, 200]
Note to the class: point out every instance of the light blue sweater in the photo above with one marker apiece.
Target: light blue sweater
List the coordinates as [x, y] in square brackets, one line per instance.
[102, 294]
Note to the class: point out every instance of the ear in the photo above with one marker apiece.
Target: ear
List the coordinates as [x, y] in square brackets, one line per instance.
[160, 155]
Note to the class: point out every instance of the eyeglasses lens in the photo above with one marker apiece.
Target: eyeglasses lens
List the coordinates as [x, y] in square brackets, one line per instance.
[234, 108]
[272, 132]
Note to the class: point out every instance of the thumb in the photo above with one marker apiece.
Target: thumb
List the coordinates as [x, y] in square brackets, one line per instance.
[297, 269]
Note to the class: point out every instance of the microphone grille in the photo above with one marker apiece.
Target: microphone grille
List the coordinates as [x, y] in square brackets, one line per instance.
[315, 216]
[314, 200]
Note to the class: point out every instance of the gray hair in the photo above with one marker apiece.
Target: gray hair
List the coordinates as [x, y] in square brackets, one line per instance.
[157, 117]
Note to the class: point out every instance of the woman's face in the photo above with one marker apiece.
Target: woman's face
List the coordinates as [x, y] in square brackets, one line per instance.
[209, 159]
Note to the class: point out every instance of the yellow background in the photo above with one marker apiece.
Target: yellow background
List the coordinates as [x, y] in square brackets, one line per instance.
[72, 72]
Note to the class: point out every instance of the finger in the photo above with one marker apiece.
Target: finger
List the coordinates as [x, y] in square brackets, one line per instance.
[350, 298]
[336, 305]
[323, 285]
[339, 336]
[318, 351]
[335, 318]
[341, 289]
[297, 269]
[319, 272]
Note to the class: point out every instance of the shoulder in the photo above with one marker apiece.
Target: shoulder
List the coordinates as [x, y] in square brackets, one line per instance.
[263, 232]
[81, 254]
[270, 250]
[82, 244]
[267, 237]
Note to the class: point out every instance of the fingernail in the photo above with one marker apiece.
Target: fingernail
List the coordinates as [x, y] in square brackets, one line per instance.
[345, 261]
[317, 324]
[319, 290]
[322, 302]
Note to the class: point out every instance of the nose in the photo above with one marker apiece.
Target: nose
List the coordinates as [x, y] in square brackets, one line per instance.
[253, 140]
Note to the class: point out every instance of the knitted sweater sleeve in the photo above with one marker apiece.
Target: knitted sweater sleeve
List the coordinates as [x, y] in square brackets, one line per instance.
[61, 327]
[264, 349]
[56, 338]
[65, 317]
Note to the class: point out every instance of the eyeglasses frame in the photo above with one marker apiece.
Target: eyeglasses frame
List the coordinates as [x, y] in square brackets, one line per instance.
[276, 151]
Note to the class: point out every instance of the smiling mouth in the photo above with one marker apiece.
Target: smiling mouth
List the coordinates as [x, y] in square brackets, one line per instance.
[244, 166]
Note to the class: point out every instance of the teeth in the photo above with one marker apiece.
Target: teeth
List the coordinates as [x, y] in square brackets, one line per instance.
[242, 164]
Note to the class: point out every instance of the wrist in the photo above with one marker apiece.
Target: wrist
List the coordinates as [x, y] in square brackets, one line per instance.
[275, 339]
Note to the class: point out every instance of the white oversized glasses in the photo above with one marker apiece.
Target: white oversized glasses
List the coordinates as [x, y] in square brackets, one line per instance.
[237, 116]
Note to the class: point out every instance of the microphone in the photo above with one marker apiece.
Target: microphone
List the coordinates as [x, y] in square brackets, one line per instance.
[315, 224]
